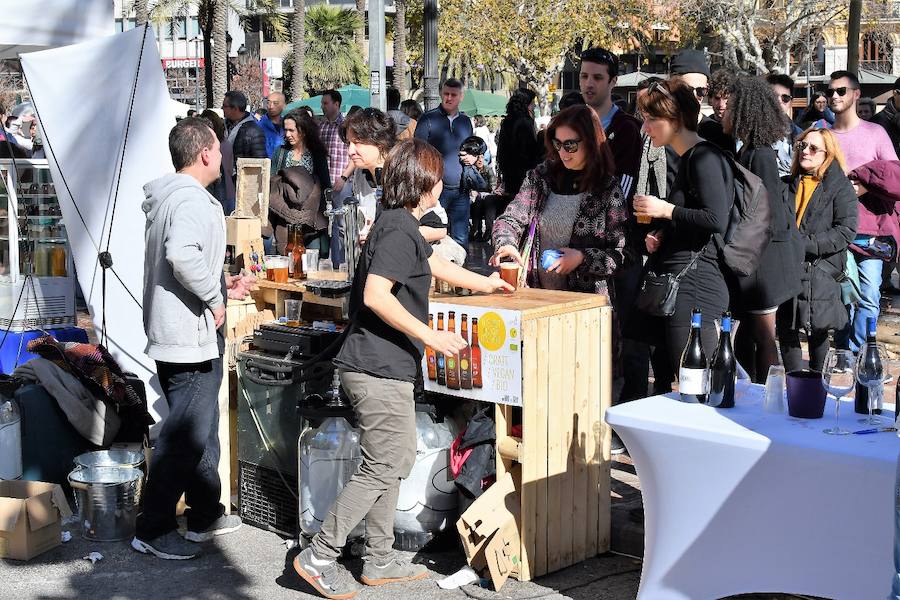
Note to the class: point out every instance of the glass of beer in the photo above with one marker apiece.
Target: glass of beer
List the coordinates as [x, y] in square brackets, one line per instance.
[509, 272]
[642, 219]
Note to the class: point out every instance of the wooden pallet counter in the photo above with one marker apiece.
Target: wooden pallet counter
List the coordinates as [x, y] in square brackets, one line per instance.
[269, 294]
[551, 357]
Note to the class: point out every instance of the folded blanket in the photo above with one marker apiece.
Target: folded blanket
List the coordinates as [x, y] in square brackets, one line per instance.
[88, 414]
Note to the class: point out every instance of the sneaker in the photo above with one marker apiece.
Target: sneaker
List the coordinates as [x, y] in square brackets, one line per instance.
[170, 546]
[331, 580]
[616, 446]
[221, 526]
[393, 571]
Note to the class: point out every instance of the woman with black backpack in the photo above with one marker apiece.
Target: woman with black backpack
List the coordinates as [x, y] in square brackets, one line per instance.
[754, 116]
[697, 208]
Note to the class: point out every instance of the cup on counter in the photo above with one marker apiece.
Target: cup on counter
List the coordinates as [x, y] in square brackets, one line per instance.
[292, 311]
[509, 272]
[277, 268]
[805, 394]
[310, 260]
[325, 265]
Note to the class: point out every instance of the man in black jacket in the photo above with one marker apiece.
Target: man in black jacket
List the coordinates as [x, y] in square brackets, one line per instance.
[246, 136]
[889, 118]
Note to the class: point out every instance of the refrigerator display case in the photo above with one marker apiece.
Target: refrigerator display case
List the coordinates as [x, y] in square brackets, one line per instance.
[33, 241]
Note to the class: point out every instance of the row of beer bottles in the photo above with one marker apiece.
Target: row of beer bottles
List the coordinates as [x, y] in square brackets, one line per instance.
[459, 371]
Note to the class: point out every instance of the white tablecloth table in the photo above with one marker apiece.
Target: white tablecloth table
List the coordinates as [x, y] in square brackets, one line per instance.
[741, 501]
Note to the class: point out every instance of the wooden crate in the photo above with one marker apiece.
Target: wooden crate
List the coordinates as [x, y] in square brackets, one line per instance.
[252, 190]
[564, 447]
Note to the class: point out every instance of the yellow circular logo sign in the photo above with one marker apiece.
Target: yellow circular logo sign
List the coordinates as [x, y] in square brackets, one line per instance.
[491, 331]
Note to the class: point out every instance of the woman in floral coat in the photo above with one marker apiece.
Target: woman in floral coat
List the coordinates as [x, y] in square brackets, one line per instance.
[572, 204]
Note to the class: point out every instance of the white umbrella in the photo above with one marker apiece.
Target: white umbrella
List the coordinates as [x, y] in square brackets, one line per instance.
[100, 157]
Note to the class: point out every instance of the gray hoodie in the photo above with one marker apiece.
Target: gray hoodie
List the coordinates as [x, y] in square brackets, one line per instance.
[183, 278]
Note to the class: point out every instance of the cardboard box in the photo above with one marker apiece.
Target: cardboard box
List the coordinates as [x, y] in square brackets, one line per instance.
[490, 530]
[243, 244]
[31, 514]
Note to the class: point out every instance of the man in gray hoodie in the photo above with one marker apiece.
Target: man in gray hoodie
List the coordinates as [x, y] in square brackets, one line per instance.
[184, 307]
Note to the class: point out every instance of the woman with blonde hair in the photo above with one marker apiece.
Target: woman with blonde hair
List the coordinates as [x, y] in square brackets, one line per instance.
[825, 209]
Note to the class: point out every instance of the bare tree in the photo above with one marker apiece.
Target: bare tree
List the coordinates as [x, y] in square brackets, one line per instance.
[761, 35]
[298, 37]
[401, 65]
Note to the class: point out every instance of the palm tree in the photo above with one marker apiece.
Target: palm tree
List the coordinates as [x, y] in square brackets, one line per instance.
[360, 32]
[298, 36]
[141, 15]
[213, 18]
[400, 59]
[332, 56]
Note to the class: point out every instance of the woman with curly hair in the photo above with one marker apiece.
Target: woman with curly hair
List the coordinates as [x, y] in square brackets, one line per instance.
[571, 203]
[754, 117]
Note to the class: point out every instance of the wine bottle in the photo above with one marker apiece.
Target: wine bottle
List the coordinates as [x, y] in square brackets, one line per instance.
[476, 356]
[693, 371]
[441, 361]
[430, 358]
[465, 357]
[722, 369]
[452, 360]
[872, 364]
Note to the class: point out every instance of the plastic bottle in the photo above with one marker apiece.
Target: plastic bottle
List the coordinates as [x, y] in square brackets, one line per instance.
[10, 441]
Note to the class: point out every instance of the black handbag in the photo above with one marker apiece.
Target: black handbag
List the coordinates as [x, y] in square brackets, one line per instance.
[659, 292]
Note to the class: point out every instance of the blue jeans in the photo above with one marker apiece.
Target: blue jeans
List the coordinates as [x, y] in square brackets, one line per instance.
[853, 336]
[457, 207]
[186, 457]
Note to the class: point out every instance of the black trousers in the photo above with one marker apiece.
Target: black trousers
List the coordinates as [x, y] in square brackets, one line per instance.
[186, 457]
[486, 209]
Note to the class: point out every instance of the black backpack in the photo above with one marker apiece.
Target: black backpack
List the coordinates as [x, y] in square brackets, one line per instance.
[749, 223]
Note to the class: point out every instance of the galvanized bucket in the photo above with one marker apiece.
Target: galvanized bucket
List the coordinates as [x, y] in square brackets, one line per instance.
[107, 499]
[110, 458]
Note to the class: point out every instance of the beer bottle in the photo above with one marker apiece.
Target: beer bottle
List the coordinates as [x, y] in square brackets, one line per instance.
[289, 249]
[440, 360]
[452, 361]
[465, 357]
[475, 350]
[430, 358]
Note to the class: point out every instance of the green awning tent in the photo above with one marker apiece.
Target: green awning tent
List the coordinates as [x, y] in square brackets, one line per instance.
[476, 102]
[350, 95]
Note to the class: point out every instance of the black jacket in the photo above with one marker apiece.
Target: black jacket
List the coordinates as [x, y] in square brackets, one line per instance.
[826, 229]
[777, 278]
[250, 142]
[518, 151]
[889, 118]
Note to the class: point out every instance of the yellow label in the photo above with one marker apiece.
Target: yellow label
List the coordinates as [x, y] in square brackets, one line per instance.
[491, 331]
[463, 364]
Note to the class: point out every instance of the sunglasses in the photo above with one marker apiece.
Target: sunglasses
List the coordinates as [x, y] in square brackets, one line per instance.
[657, 86]
[785, 98]
[700, 92]
[570, 146]
[841, 91]
[801, 146]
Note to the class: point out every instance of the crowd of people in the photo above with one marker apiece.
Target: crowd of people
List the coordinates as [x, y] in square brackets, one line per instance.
[621, 197]
[620, 192]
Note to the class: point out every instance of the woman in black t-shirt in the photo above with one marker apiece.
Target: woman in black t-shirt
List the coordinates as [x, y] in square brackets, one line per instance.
[697, 207]
[379, 363]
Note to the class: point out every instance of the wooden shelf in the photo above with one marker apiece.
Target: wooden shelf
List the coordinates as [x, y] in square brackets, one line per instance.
[533, 303]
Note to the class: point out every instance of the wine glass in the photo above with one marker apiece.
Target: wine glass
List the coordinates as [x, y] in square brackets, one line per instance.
[871, 373]
[838, 378]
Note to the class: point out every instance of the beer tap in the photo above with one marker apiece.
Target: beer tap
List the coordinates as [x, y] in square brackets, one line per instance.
[349, 212]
